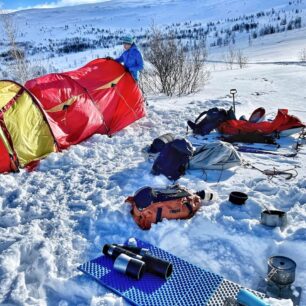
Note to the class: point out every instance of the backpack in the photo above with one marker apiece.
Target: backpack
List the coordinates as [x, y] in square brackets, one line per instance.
[213, 117]
[159, 142]
[173, 159]
[151, 205]
[215, 156]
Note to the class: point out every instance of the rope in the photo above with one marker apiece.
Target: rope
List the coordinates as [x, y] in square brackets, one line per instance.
[271, 173]
[206, 177]
[204, 173]
[120, 95]
[221, 172]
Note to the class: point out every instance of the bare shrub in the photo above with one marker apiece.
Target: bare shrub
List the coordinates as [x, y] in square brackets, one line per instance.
[37, 71]
[149, 81]
[194, 72]
[18, 69]
[242, 60]
[302, 55]
[235, 57]
[230, 57]
[173, 69]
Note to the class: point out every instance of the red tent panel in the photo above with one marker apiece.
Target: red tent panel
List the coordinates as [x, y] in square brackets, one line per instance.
[121, 105]
[5, 163]
[100, 97]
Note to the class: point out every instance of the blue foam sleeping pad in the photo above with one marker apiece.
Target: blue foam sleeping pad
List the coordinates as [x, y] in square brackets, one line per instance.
[188, 284]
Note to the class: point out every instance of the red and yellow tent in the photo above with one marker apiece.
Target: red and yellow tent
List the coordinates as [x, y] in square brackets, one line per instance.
[58, 110]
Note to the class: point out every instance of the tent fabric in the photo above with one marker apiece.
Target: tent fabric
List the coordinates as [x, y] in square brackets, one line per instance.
[5, 161]
[215, 156]
[29, 131]
[100, 97]
[57, 110]
[8, 91]
[25, 135]
[71, 114]
[283, 121]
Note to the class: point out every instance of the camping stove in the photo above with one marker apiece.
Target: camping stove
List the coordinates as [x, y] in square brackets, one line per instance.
[280, 278]
[278, 291]
[281, 275]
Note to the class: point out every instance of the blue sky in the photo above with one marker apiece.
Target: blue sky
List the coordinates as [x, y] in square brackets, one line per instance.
[18, 4]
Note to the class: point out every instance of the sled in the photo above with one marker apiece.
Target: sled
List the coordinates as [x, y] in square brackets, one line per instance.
[290, 132]
[282, 123]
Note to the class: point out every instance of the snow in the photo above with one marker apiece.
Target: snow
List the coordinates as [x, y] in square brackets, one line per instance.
[59, 216]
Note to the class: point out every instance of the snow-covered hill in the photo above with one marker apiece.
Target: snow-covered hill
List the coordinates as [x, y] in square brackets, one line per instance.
[97, 28]
[57, 217]
[136, 14]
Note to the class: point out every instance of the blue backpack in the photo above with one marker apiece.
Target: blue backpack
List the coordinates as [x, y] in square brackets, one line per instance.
[211, 121]
[173, 160]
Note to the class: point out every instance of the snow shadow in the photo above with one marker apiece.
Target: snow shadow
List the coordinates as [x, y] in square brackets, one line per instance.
[211, 176]
[207, 104]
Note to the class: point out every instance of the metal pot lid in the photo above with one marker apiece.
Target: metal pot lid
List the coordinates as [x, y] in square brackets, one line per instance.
[274, 212]
[282, 263]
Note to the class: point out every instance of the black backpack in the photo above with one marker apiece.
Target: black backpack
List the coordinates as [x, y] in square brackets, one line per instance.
[173, 160]
[213, 117]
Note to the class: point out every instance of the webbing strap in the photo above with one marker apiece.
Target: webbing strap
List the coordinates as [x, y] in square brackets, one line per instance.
[5, 141]
[8, 105]
[202, 114]
[189, 208]
[9, 145]
[8, 140]
[159, 214]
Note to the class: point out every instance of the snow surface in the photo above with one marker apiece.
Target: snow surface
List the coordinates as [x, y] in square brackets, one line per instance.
[59, 216]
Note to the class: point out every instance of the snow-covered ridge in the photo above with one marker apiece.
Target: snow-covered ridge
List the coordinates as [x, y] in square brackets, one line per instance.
[52, 32]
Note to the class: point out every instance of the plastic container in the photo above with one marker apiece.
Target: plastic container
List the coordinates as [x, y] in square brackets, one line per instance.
[238, 198]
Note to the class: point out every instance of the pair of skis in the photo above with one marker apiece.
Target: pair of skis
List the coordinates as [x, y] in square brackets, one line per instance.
[247, 149]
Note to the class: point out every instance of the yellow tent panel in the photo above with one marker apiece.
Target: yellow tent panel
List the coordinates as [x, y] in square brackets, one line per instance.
[29, 132]
[8, 91]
